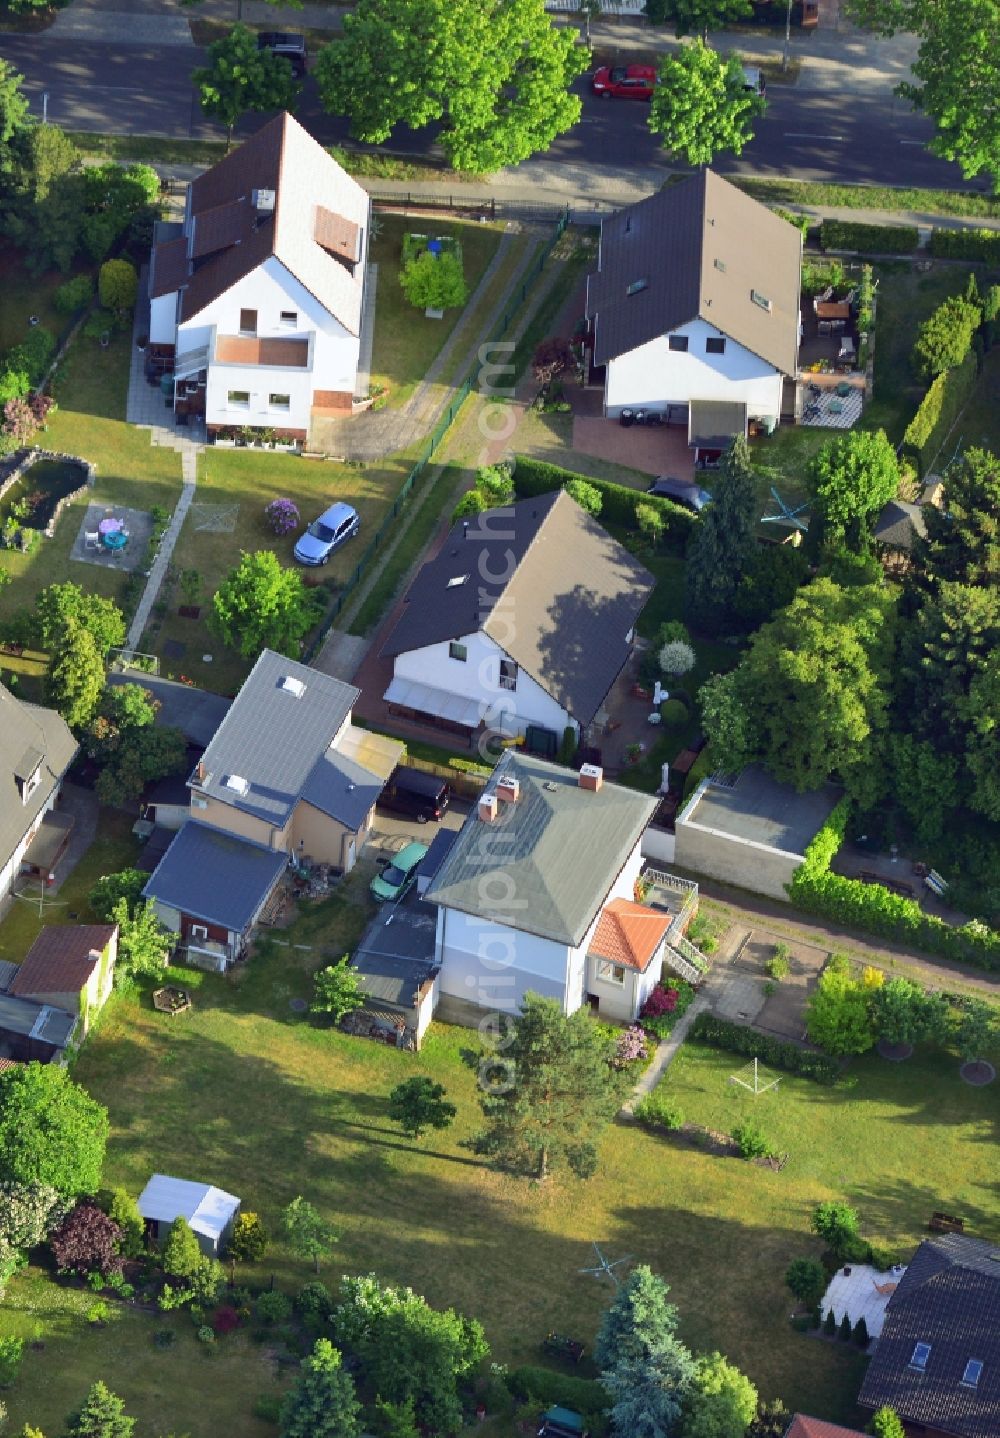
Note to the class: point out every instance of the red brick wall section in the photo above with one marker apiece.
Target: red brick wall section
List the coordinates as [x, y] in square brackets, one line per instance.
[340, 400]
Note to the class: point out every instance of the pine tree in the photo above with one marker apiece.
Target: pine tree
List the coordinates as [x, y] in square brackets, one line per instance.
[830, 1324]
[182, 1251]
[723, 542]
[860, 1334]
[322, 1404]
[101, 1416]
[639, 1322]
[844, 1331]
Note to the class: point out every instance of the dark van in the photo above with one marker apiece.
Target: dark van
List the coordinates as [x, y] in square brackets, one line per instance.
[411, 791]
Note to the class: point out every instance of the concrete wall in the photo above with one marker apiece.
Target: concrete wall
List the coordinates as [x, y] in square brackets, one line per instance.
[478, 678]
[658, 844]
[655, 376]
[320, 836]
[756, 867]
[172, 816]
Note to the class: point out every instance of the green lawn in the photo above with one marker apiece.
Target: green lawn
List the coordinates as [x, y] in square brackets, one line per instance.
[24, 295]
[406, 342]
[979, 423]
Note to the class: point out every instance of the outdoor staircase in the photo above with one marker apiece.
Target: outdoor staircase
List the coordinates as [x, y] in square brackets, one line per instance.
[679, 965]
[688, 951]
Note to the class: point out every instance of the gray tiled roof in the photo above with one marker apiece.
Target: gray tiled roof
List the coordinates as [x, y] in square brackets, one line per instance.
[395, 957]
[29, 735]
[949, 1298]
[702, 247]
[216, 877]
[559, 849]
[899, 524]
[575, 591]
[340, 787]
[276, 740]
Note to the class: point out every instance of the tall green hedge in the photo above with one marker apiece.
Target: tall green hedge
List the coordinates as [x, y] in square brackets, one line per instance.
[546, 1387]
[739, 1039]
[878, 911]
[938, 411]
[535, 476]
[868, 239]
[966, 245]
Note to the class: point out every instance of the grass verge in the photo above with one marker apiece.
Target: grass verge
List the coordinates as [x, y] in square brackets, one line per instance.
[871, 197]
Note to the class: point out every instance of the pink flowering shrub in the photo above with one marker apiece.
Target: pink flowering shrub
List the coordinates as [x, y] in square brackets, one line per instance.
[630, 1047]
[282, 516]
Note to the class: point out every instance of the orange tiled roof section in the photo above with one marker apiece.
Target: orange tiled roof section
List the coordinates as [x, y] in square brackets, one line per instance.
[629, 934]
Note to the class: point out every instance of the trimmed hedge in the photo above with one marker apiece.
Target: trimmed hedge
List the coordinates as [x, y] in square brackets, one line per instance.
[939, 410]
[546, 1387]
[868, 239]
[878, 911]
[535, 476]
[738, 1039]
[803, 223]
[966, 245]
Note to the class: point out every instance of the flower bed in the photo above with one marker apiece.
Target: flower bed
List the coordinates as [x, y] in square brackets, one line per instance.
[664, 1007]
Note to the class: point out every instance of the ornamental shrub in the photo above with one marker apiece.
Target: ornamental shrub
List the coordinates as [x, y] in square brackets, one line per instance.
[274, 1307]
[807, 1280]
[662, 1000]
[674, 714]
[225, 1319]
[74, 295]
[282, 516]
[752, 1139]
[630, 1048]
[656, 1111]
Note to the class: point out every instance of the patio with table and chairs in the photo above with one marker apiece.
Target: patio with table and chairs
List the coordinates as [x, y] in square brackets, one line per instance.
[115, 538]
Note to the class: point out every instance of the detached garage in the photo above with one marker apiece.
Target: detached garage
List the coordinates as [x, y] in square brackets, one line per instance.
[210, 1211]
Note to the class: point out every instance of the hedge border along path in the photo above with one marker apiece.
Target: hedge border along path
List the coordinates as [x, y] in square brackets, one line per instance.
[535, 476]
[868, 239]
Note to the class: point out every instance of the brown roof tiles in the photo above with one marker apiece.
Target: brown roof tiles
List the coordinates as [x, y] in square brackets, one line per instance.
[629, 934]
[61, 959]
[169, 267]
[337, 234]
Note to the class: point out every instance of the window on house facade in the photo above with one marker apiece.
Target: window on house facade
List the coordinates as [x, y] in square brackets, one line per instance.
[715, 346]
[248, 322]
[458, 651]
[29, 785]
[678, 342]
[508, 674]
[279, 401]
[239, 399]
[761, 301]
[289, 319]
[609, 972]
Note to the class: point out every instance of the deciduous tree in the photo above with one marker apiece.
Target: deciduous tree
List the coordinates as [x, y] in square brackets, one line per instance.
[698, 17]
[418, 1104]
[945, 337]
[886, 1423]
[322, 1404]
[722, 1401]
[239, 78]
[260, 605]
[434, 282]
[838, 1014]
[903, 1013]
[550, 1095]
[52, 1133]
[182, 1253]
[118, 285]
[124, 1211]
[853, 477]
[837, 1224]
[496, 73]
[309, 1235]
[144, 945]
[28, 1212]
[75, 679]
[701, 106]
[726, 722]
[978, 1030]
[249, 1238]
[337, 990]
[61, 604]
[127, 885]
[88, 1240]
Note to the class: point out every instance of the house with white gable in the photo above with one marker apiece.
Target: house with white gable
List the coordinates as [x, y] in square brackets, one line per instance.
[694, 310]
[257, 297]
[524, 618]
[543, 891]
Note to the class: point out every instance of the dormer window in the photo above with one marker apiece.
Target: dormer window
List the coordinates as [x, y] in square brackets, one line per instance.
[921, 1353]
[30, 784]
[973, 1372]
[637, 286]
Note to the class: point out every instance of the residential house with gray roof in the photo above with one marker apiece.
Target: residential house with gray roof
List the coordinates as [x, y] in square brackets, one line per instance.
[937, 1360]
[286, 777]
[524, 619]
[538, 893]
[694, 309]
[36, 749]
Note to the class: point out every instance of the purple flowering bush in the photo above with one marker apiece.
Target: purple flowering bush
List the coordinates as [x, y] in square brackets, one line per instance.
[630, 1047]
[282, 516]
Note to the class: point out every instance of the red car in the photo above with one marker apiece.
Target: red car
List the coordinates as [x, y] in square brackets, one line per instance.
[625, 82]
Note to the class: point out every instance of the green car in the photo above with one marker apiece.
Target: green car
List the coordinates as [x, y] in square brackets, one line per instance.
[394, 880]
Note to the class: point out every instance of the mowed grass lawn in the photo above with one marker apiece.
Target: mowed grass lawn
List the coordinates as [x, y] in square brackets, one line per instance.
[406, 342]
[91, 389]
[245, 1093]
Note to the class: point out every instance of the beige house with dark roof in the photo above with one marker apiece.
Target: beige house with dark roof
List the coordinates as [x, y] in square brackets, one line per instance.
[694, 309]
[36, 749]
[525, 617]
[258, 297]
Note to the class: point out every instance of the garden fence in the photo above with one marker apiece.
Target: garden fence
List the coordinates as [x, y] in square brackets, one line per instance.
[487, 207]
[388, 525]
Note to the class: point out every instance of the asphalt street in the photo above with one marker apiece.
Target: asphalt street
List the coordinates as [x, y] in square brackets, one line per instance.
[864, 135]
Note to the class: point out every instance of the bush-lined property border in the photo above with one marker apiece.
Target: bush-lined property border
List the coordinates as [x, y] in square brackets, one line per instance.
[536, 476]
[868, 239]
[738, 1039]
[938, 410]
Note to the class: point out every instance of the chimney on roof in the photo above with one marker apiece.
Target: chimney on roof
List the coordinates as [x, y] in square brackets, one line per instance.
[509, 789]
[488, 806]
[591, 777]
[199, 771]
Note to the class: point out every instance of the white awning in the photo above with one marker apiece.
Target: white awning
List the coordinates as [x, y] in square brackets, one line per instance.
[427, 700]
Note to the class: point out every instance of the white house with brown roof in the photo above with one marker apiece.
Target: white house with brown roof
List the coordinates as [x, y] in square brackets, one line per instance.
[259, 297]
[694, 309]
[525, 617]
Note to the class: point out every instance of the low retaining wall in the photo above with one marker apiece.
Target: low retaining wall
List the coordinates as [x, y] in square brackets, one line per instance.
[34, 454]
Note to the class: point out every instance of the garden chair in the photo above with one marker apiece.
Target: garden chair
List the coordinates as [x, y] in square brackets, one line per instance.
[91, 539]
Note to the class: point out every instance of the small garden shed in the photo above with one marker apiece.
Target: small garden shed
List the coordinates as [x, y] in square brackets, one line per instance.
[210, 1211]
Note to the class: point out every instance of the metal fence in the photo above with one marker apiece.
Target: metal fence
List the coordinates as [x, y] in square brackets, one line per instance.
[488, 206]
[388, 525]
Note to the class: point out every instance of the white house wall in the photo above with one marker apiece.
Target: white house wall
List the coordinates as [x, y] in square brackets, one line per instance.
[163, 319]
[12, 868]
[270, 289]
[477, 677]
[655, 376]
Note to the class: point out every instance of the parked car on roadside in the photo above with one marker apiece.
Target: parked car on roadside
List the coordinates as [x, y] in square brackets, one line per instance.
[396, 878]
[412, 791]
[682, 491]
[288, 44]
[753, 79]
[624, 82]
[334, 527]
